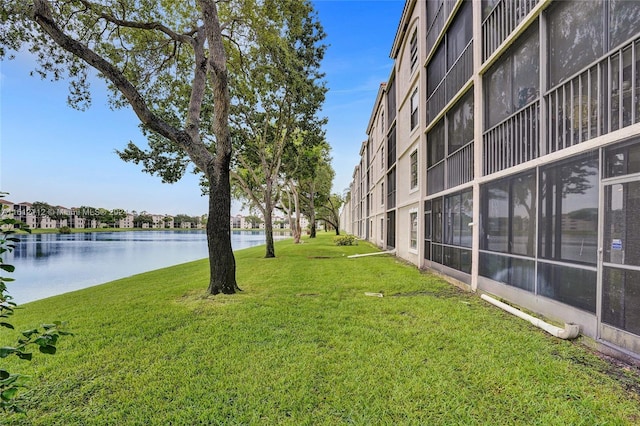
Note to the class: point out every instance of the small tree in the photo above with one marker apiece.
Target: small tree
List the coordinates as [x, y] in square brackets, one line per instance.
[141, 219]
[59, 216]
[255, 221]
[117, 215]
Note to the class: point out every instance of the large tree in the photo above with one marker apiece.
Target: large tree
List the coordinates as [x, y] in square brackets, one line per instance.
[168, 61]
[276, 99]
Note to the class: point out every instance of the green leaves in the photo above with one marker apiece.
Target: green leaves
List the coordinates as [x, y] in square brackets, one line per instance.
[8, 268]
[5, 351]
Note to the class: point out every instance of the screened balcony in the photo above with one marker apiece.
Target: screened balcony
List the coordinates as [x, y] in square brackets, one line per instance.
[454, 79]
[603, 98]
[499, 19]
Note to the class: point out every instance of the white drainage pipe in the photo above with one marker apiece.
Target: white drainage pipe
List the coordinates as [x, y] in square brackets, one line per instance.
[371, 254]
[570, 331]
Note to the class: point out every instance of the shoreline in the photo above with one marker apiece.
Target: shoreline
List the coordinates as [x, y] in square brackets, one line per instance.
[91, 230]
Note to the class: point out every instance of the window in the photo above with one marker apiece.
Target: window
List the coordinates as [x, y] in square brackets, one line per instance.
[435, 20]
[508, 212]
[436, 69]
[452, 63]
[487, 7]
[624, 21]
[436, 206]
[413, 47]
[413, 231]
[569, 211]
[568, 231]
[509, 215]
[623, 160]
[391, 147]
[458, 214]
[448, 237]
[414, 109]
[451, 139]
[414, 169]
[427, 229]
[573, 286]
[459, 34]
[435, 157]
[382, 158]
[621, 298]
[576, 37]
[513, 271]
[391, 229]
[391, 101]
[513, 82]
[435, 144]
[382, 229]
[391, 189]
[382, 194]
[460, 123]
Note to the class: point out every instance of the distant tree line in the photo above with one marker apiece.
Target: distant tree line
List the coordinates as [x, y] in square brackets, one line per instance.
[42, 210]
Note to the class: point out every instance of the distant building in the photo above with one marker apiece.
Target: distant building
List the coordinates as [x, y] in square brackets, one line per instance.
[240, 221]
[127, 221]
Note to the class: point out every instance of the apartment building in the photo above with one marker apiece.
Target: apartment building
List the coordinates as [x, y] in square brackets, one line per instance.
[504, 152]
[240, 221]
[127, 221]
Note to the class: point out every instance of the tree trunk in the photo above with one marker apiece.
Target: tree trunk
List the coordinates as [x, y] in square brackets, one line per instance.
[222, 263]
[296, 200]
[292, 223]
[312, 214]
[268, 221]
[268, 232]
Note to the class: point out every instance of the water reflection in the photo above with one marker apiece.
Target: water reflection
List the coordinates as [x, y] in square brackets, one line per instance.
[50, 264]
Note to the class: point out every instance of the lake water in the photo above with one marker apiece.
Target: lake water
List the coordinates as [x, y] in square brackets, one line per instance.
[50, 264]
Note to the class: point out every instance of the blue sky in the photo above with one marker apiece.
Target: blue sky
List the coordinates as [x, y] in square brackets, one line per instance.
[50, 152]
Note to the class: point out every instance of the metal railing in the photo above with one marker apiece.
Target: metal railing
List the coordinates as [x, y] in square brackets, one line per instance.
[435, 178]
[573, 111]
[513, 141]
[624, 86]
[501, 21]
[460, 166]
[601, 99]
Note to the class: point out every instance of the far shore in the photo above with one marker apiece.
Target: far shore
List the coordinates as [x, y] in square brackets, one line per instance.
[90, 230]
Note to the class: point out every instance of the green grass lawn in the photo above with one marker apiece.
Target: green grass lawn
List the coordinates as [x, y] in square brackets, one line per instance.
[303, 344]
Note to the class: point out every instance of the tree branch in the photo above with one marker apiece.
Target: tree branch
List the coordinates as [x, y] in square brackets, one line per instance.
[42, 16]
[184, 38]
[245, 187]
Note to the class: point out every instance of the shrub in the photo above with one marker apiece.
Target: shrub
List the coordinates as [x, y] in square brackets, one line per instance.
[65, 230]
[345, 240]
